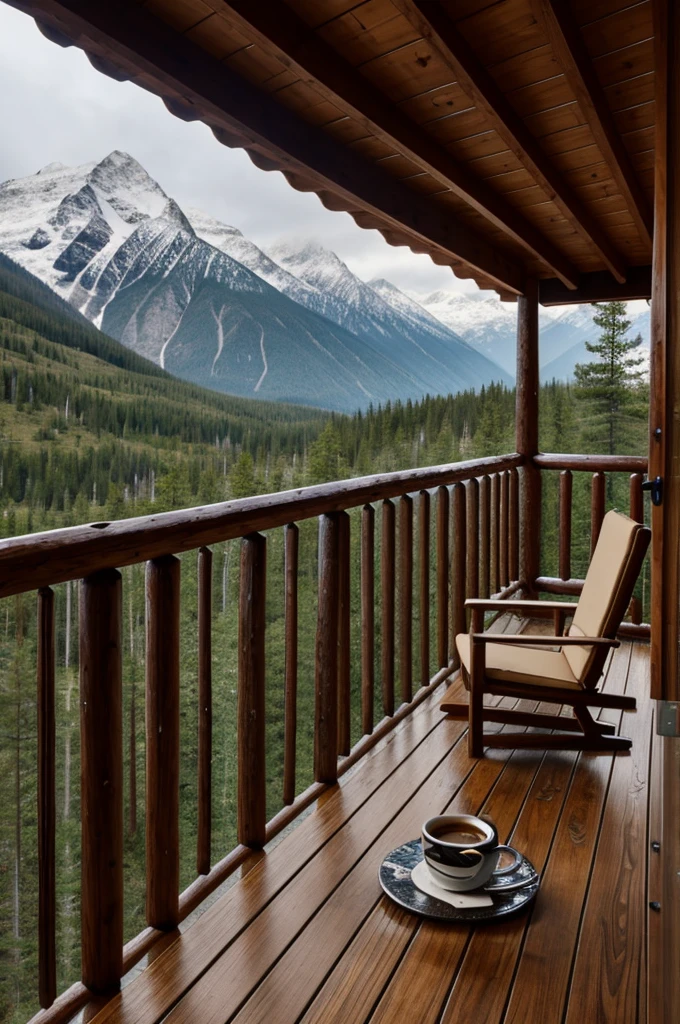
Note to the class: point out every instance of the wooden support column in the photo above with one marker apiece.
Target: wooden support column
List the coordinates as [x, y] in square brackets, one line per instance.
[526, 433]
[204, 711]
[162, 742]
[326, 703]
[663, 984]
[47, 909]
[252, 782]
[101, 780]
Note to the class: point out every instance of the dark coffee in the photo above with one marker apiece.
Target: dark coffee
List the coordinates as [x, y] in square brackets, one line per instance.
[464, 836]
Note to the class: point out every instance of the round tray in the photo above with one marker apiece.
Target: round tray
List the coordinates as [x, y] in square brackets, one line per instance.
[395, 878]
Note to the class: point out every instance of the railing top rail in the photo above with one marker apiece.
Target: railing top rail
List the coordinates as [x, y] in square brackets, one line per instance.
[45, 559]
[592, 463]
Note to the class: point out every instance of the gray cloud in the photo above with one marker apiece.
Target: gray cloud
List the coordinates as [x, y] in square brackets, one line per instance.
[56, 107]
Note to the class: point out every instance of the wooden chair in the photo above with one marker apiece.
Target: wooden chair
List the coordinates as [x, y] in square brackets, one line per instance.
[518, 666]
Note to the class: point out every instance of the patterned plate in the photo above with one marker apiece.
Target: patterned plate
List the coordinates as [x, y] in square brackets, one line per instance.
[395, 878]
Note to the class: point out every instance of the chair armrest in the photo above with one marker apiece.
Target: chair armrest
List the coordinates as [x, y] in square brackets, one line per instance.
[529, 640]
[499, 603]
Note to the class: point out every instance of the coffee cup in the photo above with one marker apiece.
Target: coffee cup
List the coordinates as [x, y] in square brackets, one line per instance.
[462, 851]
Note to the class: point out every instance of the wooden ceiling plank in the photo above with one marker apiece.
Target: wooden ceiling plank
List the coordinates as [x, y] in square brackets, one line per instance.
[578, 69]
[145, 49]
[317, 63]
[437, 27]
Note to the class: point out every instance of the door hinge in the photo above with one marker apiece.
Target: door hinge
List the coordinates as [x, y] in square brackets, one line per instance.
[655, 487]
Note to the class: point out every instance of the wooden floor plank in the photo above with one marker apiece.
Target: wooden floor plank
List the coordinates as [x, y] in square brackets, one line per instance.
[313, 955]
[424, 975]
[231, 979]
[155, 990]
[611, 952]
[541, 983]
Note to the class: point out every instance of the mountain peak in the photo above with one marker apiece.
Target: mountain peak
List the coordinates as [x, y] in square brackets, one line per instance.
[52, 168]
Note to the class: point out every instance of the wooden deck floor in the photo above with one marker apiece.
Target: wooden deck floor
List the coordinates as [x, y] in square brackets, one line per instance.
[307, 935]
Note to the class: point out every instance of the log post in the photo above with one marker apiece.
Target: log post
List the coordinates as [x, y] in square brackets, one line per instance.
[291, 542]
[367, 618]
[47, 910]
[387, 591]
[443, 524]
[406, 597]
[252, 792]
[458, 563]
[343, 652]
[204, 711]
[526, 434]
[424, 560]
[326, 674]
[101, 780]
[162, 742]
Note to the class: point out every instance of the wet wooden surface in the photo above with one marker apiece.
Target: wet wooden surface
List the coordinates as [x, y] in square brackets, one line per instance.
[307, 934]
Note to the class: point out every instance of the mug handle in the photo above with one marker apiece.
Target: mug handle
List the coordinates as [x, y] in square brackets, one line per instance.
[517, 860]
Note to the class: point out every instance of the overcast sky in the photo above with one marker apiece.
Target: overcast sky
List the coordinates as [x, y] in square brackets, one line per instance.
[55, 107]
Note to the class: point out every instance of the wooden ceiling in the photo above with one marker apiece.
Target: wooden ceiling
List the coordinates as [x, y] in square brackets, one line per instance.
[506, 138]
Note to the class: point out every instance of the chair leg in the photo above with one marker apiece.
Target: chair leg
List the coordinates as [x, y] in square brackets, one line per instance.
[476, 716]
[588, 724]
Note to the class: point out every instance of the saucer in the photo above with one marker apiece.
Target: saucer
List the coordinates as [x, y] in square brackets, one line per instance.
[509, 893]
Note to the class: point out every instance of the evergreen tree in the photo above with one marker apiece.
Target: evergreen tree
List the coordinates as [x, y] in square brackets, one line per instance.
[610, 387]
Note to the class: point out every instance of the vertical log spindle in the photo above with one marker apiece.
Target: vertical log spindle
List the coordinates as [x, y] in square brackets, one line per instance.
[162, 742]
[566, 483]
[291, 547]
[443, 522]
[495, 553]
[47, 956]
[513, 556]
[101, 781]
[472, 488]
[638, 514]
[343, 656]
[458, 564]
[367, 617]
[596, 509]
[252, 794]
[387, 589]
[485, 536]
[406, 596]
[424, 559]
[505, 529]
[204, 830]
[326, 674]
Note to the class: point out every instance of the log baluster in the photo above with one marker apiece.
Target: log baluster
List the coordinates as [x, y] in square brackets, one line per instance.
[485, 536]
[326, 675]
[495, 546]
[47, 956]
[251, 814]
[505, 530]
[387, 590]
[291, 548]
[596, 509]
[472, 488]
[638, 514]
[367, 617]
[101, 781]
[443, 518]
[458, 564]
[424, 559]
[566, 483]
[343, 658]
[513, 512]
[204, 829]
[162, 742]
[406, 596]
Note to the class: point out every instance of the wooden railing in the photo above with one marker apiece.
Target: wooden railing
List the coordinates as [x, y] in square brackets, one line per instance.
[444, 533]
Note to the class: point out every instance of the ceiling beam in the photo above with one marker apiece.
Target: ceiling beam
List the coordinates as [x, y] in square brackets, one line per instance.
[598, 286]
[432, 22]
[189, 78]
[278, 29]
[571, 53]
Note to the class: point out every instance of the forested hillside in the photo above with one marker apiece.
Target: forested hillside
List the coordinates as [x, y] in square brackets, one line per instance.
[91, 432]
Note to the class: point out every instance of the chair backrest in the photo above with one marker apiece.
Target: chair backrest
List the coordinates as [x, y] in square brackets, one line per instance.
[607, 590]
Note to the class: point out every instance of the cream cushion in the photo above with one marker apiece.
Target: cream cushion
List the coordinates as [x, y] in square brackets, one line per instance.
[605, 573]
[521, 664]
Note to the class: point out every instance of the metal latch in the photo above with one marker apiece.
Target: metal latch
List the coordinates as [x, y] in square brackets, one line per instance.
[667, 718]
[655, 487]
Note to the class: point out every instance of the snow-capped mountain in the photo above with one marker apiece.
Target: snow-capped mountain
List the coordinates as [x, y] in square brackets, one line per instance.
[491, 326]
[207, 304]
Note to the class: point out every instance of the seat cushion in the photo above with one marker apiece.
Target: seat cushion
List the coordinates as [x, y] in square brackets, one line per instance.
[605, 574]
[509, 664]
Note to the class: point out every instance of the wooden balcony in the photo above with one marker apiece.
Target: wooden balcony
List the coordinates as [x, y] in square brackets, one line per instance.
[305, 933]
